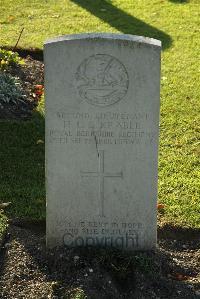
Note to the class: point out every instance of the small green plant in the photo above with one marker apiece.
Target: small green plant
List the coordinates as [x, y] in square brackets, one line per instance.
[3, 224]
[143, 262]
[10, 90]
[78, 293]
[9, 58]
[41, 105]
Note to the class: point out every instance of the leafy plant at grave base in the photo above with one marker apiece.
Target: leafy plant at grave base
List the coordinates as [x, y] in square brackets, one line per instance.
[78, 294]
[122, 265]
[10, 90]
[3, 223]
[41, 104]
[143, 262]
[9, 58]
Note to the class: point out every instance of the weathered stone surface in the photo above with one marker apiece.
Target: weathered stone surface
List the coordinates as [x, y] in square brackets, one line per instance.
[102, 120]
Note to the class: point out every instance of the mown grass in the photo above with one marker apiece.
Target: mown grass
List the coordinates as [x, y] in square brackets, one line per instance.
[176, 23]
[22, 173]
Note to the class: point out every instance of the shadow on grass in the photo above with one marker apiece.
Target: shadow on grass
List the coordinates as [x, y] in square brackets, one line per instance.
[35, 53]
[22, 176]
[171, 232]
[179, 1]
[116, 18]
[123, 21]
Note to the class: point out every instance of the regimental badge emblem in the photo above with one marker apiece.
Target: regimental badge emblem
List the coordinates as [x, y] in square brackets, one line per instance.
[102, 80]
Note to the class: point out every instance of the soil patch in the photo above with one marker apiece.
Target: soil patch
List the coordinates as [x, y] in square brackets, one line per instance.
[28, 270]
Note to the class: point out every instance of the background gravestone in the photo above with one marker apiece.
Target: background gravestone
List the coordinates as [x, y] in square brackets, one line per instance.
[102, 120]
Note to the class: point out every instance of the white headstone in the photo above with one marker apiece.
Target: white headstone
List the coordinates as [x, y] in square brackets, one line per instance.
[102, 126]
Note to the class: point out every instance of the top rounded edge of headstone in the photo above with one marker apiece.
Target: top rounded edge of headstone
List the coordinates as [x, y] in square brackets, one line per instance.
[106, 36]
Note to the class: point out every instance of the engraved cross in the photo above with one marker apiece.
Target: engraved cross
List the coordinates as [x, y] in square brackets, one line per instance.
[101, 174]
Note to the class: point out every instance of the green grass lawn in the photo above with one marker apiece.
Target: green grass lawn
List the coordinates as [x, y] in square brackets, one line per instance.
[175, 22]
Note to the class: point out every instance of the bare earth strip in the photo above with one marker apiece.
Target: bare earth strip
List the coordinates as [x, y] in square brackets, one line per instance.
[29, 271]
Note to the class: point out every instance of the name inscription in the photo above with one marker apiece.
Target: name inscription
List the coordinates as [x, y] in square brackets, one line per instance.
[102, 128]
